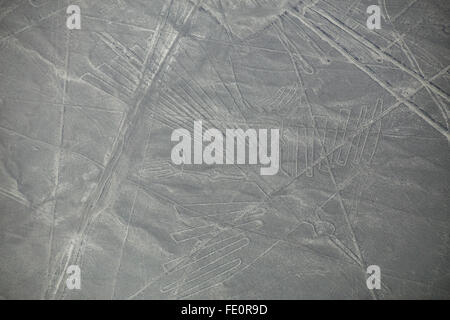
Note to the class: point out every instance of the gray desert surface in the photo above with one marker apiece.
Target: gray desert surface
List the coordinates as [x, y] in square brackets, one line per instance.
[87, 180]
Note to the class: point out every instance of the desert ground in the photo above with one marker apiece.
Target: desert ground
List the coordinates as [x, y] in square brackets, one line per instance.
[87, 180]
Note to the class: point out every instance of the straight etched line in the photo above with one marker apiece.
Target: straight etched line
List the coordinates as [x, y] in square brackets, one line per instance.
[124, 241]
[368, 44]
[372, 75]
